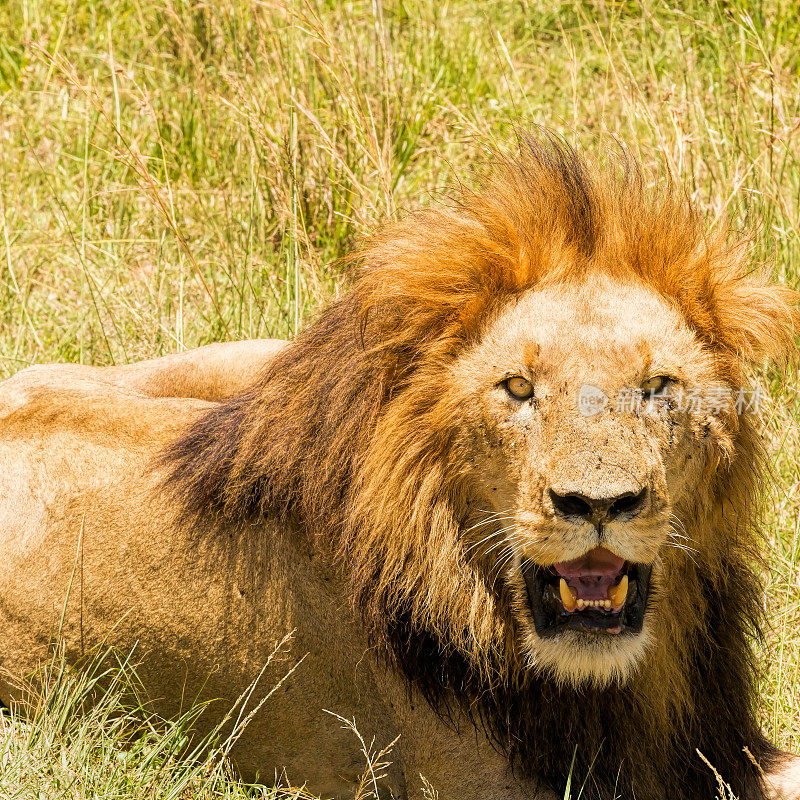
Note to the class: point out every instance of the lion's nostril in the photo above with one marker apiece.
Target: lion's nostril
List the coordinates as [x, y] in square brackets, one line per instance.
[571, 505]
[629, 503]
[595, 509]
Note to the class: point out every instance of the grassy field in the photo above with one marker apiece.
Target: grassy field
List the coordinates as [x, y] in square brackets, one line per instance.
[176, 172]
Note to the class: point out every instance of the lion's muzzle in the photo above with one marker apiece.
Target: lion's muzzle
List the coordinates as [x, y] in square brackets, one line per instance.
[598, 592]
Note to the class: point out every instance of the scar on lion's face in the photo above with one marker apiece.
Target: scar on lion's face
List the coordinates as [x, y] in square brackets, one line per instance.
[593, 414]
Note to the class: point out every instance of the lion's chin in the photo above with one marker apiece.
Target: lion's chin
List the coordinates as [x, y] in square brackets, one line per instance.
[577, 658]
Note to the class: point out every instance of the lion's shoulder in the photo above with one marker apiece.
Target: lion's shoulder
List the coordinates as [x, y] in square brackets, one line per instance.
[212, 372]
[142, 395]
[47, 401]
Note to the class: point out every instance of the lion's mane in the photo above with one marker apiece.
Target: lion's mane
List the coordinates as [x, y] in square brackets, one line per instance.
[347, 436]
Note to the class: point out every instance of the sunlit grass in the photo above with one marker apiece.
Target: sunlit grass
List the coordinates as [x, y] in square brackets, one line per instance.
[90, 733]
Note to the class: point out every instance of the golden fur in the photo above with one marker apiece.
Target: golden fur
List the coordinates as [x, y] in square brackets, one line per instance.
[379, 456]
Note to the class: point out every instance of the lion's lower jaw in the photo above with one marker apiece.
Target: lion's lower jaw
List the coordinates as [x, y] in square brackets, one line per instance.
[579, 658]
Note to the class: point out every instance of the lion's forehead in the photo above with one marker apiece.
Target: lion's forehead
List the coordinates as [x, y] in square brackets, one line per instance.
[598, 330]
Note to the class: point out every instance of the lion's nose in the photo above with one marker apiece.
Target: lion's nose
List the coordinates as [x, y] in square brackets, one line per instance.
[597, 510]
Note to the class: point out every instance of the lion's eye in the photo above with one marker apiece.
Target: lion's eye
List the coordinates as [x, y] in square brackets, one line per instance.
[655, 385]
[519, 388]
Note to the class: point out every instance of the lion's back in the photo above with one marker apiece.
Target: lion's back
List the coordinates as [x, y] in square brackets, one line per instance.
[68, 429]
[95, 552]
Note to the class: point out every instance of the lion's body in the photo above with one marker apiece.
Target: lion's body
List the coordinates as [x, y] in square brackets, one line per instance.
[84, 518]
[525, 588]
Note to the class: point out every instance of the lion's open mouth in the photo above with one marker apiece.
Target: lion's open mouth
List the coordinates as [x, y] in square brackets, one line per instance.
[597, 592]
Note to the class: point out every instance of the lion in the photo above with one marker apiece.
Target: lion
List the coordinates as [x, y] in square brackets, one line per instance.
[504, 495]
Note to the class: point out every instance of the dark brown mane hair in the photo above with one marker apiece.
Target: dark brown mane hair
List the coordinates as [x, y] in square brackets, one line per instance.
[347, 436]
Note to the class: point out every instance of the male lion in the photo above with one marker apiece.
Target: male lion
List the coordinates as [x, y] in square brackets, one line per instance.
[503, 492]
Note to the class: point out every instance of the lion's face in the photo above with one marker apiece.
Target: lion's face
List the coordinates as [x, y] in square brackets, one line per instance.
[590, 415]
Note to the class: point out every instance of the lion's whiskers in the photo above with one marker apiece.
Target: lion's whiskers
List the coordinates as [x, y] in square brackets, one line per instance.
[510, 551]
[680, 545]
[678, 522]
[501, 544]
[493, 518]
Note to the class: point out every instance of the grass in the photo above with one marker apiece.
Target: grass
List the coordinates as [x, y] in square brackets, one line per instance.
[178, 172]
[89, 734]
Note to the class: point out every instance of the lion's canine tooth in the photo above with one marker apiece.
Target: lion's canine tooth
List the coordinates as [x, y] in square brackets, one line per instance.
[618, 593]
[568, 596]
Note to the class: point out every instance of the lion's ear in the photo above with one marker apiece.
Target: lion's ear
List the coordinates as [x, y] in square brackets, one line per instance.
[757, 320]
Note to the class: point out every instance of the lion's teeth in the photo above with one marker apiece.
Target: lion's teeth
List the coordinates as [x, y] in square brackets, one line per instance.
[571, 601]
[568, 596]
[580, 604]
[618, 593]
